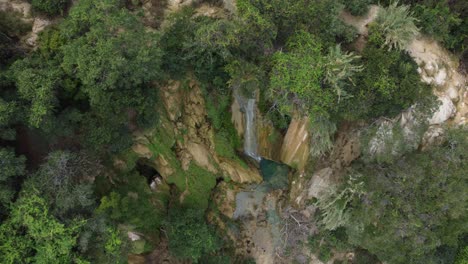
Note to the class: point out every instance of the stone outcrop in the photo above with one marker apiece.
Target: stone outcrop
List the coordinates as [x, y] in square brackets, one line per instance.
[296, 144]
[186, 125]
[445, 111]
[23, 9]
[268, 138]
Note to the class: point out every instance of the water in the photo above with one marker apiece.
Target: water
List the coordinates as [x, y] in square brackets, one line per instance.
[274, 174]
[250, 137]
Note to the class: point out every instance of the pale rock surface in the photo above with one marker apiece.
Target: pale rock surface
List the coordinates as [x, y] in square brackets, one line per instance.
[319, 182]
[432, 137]
[230, 5]
[238, 173]
[24, 9]
[133, 236]
[445, 111]
[296, 146]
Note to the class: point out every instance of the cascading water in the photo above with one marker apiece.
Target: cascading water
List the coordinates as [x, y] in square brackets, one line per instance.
[250, 136]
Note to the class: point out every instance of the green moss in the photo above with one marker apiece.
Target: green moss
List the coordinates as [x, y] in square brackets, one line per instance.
[199, 184]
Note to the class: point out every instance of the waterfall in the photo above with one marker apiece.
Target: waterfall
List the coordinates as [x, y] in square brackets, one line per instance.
[250, 135]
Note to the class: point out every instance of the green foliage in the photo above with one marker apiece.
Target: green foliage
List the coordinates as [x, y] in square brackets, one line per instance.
[444, 21]
[322, 243]
[135, 204]
[9, 114]
[320, 18]
[31, 234]
[313, 84]
[12, 167]
[63, 181]
[12, 28]
[92, 71]
[462, 257]
[436, 20]
[388, 84]
[11, 25]
[414, 206]
[334, 203]
[112, 57]
[49, 7]
[357, 7]
[397, 24]
[190, 236]
[102, 242]
[297, 74]
[37, 81]
[339, 70]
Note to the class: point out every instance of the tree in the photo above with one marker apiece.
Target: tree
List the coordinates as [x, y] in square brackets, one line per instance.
[49, 7]
[190, 236]
[64, 182]
[12, 167]
[100, 61]
[304, 80]
[320, 18]
[415, 208]
[31, 234]
[388, 84]
[397, 24]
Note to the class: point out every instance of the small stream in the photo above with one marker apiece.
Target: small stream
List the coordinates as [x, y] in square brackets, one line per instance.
[256, 204]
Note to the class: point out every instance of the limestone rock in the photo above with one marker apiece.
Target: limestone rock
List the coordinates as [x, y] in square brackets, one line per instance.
[433, 136]
[446, 110]
[238, 173]
[133, 236]
[237, 117]
[171, 99]
[296, 147]
[201, 156]
[230, 5]
[39, 25]
[452, 93]
[269, 140]
[225, 198]
[346, 147]
[319, 182]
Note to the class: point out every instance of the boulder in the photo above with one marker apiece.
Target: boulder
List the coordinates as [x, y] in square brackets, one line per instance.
[319, 182]
[445, 111]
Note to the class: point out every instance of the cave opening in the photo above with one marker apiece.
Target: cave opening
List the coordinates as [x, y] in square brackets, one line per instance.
[147, 171]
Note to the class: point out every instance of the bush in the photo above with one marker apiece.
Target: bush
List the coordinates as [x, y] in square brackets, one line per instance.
[49, 7]
[397, 24]
[190, 236]
[357, 7]
[388, 84]
[413, 209]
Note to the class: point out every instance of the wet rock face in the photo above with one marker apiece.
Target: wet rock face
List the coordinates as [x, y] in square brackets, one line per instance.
[269, 140]
[296, 147]
[194, 137]
[260, 236]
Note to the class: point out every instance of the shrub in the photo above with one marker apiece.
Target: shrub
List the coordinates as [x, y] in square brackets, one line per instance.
[413, 208]
[49, 7]
[357, 7]
[397, 24]
[190, 236]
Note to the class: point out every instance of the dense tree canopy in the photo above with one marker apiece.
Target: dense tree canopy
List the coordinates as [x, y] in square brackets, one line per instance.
[411, 210]
[85, 127]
